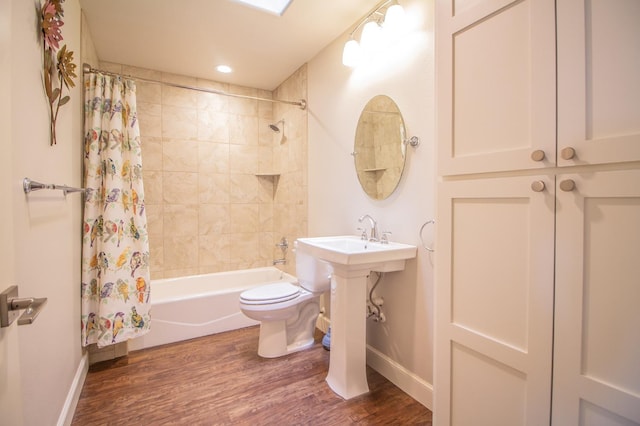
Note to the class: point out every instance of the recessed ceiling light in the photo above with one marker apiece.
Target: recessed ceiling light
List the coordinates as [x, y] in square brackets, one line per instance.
[224, 68]
[277, 7]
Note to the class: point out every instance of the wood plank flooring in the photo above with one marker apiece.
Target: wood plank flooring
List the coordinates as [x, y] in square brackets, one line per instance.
[221, 380]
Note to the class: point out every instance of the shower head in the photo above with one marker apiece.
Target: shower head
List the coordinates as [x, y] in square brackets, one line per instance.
[275, 127]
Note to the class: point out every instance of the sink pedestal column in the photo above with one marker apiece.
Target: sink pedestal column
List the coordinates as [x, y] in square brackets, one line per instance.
[348, 357]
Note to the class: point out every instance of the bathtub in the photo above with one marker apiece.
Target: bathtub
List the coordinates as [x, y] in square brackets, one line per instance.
[198, 305]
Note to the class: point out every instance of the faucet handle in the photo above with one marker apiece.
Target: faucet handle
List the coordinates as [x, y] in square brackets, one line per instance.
[385, 239]
[363, 233]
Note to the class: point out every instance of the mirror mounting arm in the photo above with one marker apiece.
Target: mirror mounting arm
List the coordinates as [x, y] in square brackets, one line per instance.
[414, 141]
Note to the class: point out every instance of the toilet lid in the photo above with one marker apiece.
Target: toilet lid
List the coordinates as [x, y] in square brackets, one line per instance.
[270, 293]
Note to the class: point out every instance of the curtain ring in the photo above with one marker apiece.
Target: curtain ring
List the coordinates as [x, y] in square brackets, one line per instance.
[429, 222]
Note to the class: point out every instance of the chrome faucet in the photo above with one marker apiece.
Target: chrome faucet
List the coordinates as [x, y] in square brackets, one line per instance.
[373, 235]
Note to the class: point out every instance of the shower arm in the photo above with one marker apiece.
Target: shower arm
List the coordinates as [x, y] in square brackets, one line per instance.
[87, 69]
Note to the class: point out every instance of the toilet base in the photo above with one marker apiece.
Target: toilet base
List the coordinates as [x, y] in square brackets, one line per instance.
[282, 337]
[273, 340]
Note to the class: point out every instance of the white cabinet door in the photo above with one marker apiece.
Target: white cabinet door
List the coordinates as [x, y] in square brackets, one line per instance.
[496, 85]
[494, 302]
[598, 81]
[597, 312]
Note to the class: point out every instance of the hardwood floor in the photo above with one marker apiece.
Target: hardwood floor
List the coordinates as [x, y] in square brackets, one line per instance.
[220, 380]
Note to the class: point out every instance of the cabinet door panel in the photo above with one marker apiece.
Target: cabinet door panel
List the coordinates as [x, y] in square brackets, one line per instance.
[599, 80]
[496, 71]
[597, 338]
[494, 301]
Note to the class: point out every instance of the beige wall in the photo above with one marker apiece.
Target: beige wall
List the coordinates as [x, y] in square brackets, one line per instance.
[221, 188]
[337, 94]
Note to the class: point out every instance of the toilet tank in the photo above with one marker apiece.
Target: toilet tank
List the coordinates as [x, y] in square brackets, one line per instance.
[313, 274]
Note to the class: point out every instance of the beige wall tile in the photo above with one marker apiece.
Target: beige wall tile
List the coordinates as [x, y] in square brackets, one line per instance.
[244, 247]
[180, 155]
[177, 96]
[155, 220]
[265, 159]
[180, 252]
[141, 72]
[213, 188]
[180, 220]
[266, 217]
[152, 186]
[213, 126]
[243, 159]
[150, 125]
[179, 188]
[148, 93]
[156, 255]
[178, 79]
[151, 153]
[211, 101]
[244, 218]
[213, 219]
[213, 157]
[179, 122]
[243, 129]
[214, 250]
[243, 188]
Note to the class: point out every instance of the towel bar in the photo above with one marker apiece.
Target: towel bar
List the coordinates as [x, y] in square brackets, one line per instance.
[31, 185]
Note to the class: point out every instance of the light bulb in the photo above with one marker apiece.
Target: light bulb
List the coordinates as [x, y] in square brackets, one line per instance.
[351, 53]
[371, 34]
[394, 19]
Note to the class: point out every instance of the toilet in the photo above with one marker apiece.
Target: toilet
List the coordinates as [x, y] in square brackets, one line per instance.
[288, 311]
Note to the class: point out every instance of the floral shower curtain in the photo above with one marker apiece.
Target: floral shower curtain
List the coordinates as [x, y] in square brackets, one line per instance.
[115, 246]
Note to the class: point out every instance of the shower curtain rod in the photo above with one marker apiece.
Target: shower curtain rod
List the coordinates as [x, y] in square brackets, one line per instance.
[86, 68]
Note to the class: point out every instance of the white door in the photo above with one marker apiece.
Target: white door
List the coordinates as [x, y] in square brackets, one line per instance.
[496, 85]
[597, 314]
[494, 301]
[598, 81]
[10, 389]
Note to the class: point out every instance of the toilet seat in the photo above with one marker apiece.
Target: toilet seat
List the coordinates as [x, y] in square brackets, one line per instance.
[270, 293]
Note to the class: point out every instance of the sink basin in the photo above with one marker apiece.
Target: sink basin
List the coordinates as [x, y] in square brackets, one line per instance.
[350, 250]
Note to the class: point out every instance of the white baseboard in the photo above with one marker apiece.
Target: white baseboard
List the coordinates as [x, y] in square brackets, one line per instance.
[69, 408]
[408, 382]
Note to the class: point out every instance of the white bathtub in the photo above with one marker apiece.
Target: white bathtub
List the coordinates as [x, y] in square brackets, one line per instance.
[199, 305]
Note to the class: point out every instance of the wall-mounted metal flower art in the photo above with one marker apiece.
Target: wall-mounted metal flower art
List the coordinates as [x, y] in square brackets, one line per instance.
[58, 65]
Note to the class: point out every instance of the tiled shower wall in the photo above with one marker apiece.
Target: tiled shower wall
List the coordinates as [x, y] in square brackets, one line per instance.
[221, 188]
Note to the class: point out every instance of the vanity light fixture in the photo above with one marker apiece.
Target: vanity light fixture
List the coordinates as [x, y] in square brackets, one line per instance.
[379, 26]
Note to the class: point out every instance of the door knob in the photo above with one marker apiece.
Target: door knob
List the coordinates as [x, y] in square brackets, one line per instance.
[537, 186]
[537, 155]
[568, 153]
[567, 185]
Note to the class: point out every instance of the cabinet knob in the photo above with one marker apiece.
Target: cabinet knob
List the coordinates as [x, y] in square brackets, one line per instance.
[537, 155]
[567, 185]
[537, 186]
[568, 153]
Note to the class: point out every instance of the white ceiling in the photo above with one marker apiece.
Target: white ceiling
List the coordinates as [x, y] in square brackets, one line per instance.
[192, 37]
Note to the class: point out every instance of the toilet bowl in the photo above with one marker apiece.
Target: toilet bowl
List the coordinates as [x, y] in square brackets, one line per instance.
[288, 311]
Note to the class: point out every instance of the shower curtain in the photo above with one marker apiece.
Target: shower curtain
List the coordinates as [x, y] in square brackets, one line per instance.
[115, 245]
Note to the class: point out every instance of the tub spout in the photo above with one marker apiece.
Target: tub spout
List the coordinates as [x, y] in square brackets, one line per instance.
[280, 262]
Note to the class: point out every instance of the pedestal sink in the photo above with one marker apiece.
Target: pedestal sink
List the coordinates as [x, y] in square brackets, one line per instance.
[352, 259]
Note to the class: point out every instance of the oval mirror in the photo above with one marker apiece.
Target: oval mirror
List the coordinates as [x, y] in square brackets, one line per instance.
[379, 149]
